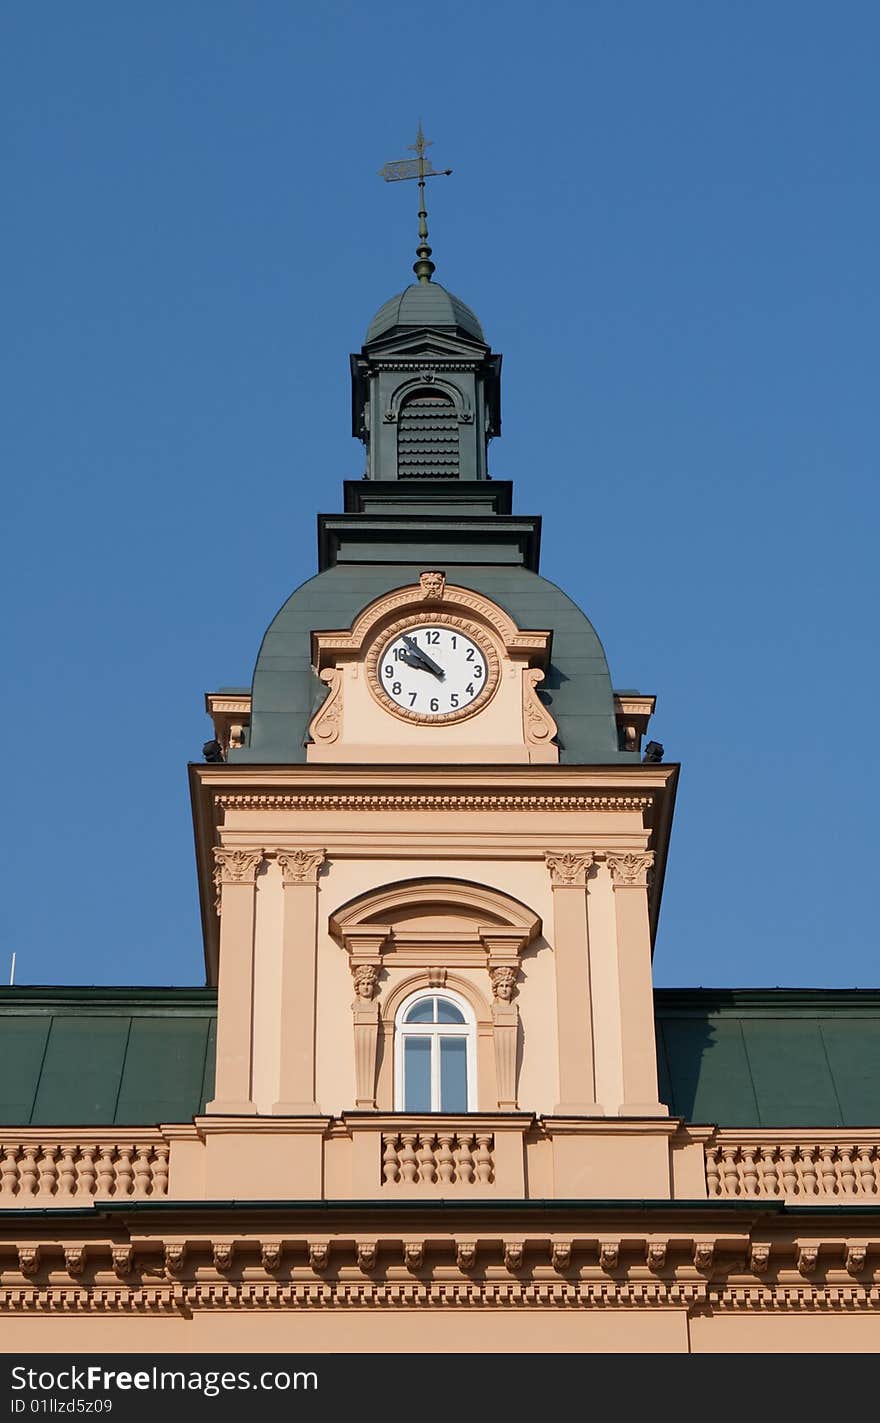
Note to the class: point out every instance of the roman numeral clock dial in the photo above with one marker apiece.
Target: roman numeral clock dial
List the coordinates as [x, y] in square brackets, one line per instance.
[433, 671]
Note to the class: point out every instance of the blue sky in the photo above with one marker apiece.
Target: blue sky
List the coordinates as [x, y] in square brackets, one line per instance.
[666, 217]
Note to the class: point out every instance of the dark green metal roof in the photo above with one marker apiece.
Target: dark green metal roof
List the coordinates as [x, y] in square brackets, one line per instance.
[424, 304]
[770, 1057]
[105, 1056]
[795, 1058]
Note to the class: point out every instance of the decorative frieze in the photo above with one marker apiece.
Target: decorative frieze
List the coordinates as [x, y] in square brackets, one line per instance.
[372, 801]
[38, 1173]
[446, 1158]
[792, 1169]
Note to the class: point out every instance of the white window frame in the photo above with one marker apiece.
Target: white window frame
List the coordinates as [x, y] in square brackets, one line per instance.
[434, 1031]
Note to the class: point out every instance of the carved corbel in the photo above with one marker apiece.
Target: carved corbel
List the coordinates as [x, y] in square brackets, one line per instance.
[367, 1255]
[175, 1255]
[759, 1259]
[808, 1259]
[223, 1252]
[560, 1255]
[414, 1255]
[704, 1255]
[74, 1259]
[319, 1254]
[609, 1254]
[856, 1259]
[270, 1255]
[466, 1255]
[514, 1255]
[28, 1259]
[123, 1260]
[656, 1255]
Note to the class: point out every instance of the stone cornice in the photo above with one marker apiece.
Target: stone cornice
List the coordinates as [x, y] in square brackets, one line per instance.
[429, 800]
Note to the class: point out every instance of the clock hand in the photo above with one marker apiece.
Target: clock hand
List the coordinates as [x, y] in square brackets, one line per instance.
[427, 662]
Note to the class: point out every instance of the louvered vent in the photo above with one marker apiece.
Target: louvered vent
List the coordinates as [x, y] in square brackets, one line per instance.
[427, 439]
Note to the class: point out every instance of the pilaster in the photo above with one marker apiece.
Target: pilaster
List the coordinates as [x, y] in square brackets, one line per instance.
[629, 876]
[574, 1008]
[235, 880]
[298, 988]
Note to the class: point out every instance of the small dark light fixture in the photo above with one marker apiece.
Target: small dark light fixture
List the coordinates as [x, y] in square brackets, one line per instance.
[213, 751]
[653, 752]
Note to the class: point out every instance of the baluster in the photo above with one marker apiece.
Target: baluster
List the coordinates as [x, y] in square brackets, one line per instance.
[86, 1167]
[866, 1169]
[750, 1171]
[9, 1174]
[29, 1172]
[390, 1164]
[67, 1171]
[48, 1171]
[143, 1173]
[484, 1157]
[408, 1161]
[464, 1161]
[809, 1177]
[445, 1158]
[124, 1172]
[729, 1172]
[160, 1170]
[847, 1170]
[425, 1155]
[829, 1175]
[769, 1177]
[713, 1176]
[105, 1172]
[789, 1171]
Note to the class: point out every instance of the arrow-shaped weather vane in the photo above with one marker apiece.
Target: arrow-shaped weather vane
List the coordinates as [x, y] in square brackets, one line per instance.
[421, 168]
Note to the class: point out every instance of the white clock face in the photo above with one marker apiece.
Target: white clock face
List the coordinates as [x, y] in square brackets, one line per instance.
[432, 671]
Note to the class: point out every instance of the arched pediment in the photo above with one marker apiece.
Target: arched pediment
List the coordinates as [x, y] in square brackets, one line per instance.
[435, 920]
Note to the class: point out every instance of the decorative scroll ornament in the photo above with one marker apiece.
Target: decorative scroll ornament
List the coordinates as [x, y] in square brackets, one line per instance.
[433, 584]
[609, 1254]
[503, 980]
[366, 978]
[270, 1255]
[628, 870]
[569, 869]
[539, 728]
[300, 866]
[326, 724]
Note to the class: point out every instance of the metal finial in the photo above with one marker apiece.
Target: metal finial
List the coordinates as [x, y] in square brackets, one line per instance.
[419, 167]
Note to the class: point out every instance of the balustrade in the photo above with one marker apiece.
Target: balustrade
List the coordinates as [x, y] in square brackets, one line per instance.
[52, 1171]
[793, 1169]
[444, 1158]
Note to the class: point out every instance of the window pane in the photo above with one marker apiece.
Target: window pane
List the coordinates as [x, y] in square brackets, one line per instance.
[417, 1074]
[453, 1075]
[421, 1012]
[448, 1013]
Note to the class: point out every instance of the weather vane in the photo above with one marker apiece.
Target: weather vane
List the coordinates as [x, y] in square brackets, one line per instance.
[419, 167]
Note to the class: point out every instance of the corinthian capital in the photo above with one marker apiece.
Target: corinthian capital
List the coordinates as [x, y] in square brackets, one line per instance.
[629, 870]
[237, 866]
[568, 868]
[301, 866]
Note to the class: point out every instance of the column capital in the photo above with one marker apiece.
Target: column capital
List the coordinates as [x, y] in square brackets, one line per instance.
[630, 871]
[236, 866]
[569, 868]
[300, 866]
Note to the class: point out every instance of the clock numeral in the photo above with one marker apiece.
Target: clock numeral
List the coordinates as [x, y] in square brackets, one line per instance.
[435, 705]
[470, 689]
[454, 641]
[398, 653]
[478, 672]
[395, 689]
[432, 638]
[412, 698]
[453, 700]
[470, 655]
[389, 670]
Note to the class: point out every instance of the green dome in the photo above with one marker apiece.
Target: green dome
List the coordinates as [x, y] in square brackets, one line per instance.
[424, 304]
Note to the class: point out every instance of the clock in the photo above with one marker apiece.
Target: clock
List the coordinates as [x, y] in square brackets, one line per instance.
[439, 669]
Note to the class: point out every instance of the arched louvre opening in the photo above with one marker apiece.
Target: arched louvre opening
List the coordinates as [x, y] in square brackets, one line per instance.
[427, 438]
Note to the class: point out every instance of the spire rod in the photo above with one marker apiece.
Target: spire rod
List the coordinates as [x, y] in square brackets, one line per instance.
[421, 168]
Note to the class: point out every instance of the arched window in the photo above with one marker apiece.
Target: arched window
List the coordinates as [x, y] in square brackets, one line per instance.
[427, 437]
[435, 1060]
